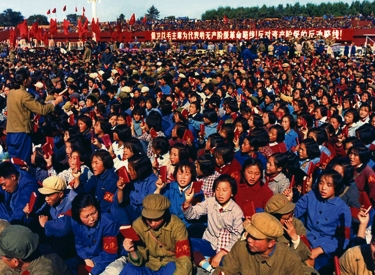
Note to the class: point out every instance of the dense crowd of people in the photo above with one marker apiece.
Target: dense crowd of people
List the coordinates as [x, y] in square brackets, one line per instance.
[173, 162]
[296, 22]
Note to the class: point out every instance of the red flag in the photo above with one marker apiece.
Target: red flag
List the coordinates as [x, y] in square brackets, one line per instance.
[45, 38]
[52, 27]
[144, 20]
[76, 9]
[49, 12]
[80, 31]
[34, 30]
[54, 10]
[86, 26]
[12, 36]
[95, 28]
[66, 27]
[39, 34]
[225, 19]
[23, 29]
[64, 8]
[132, 19]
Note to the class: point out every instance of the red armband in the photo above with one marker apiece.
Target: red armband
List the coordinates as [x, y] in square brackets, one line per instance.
[182, 249]
[108, 196]
[110, 245]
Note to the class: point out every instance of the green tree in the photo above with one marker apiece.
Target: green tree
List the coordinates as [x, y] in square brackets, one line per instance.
[121, 18]
[152, 13]
[73, 19]
[42, 19]
[10, 18]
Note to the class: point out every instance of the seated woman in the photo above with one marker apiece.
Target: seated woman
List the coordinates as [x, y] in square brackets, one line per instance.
[350, 193]
[328, 219]
[95, 233]
[128, 199]
[364, 176]
[224, 220]
[76, 161]
[132, 146]
[249, 149]
[308, 152]
[252, 188]
[103, 182]
[225, 162]
[205, 166]
[184, 174]
[164, 247]
[277, 137]
[275, 173]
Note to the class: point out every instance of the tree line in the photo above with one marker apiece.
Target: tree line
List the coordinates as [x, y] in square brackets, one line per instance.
[337, 9]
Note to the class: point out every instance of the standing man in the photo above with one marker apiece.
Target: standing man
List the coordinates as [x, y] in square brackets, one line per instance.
[21, 104]
[107, 60]
[260, 253]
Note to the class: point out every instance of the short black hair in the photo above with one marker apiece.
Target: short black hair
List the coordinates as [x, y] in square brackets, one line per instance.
[7, 169]
[179, 166]
[81, 201]
[225, 178]
[206, 164]
[105, 157]
[141, 165]
[336, 179]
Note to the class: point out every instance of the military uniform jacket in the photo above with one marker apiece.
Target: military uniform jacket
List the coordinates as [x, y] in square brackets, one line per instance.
[283, 261]
[357, 261]
[158, 248]
[44, 265]
[21, 105]
[302, 249]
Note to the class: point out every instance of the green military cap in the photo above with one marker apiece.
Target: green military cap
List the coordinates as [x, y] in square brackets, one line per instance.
[263, 226]
[17, 241]
[154, 206]
[279, 204]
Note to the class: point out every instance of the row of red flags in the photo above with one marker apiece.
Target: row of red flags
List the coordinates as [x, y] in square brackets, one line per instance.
[42, 34]
[64, 9]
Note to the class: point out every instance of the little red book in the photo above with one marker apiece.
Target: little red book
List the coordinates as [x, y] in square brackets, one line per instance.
[197, 186]
[71, 120]
[47, 150]
[202, 129]
[32, 201]
[50, 141]
[106, 140]
[123, 173]
[153, 133]
[129, 121]
[19, 162]
[163, 173]
[128, 232]
[188, 135]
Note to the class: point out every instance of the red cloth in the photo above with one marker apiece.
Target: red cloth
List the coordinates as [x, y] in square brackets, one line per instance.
[259, 194]
[279, 148]
[24, 31]
[233, 169]
[66, 27]
[52, 27]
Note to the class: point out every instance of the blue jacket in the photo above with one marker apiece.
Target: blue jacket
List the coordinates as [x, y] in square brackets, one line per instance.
[60, 223]
[241, 158]
[14, 203]
[104, 186]
[291, 139]
[177, 198]
[89, 241]
[134, 193]
[323, 218]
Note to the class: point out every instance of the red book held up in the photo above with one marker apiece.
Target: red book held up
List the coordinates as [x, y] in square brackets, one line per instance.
[128, 232]
[32, 201]
[153, 133]
[47, 149]
[19, 162]
[188, 135]
[163, 173]
[123, 173]
[106, 140]
[129, 121]
[197, 186]
[50, 141]
[202, 129]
